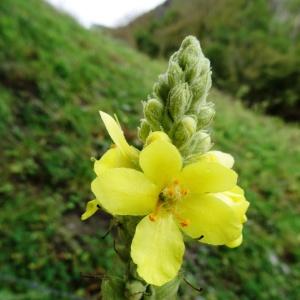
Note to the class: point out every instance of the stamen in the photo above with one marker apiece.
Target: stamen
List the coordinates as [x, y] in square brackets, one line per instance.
[152, 218]
[170, 192]
[185, 223]
[182, 222]
[184, 192]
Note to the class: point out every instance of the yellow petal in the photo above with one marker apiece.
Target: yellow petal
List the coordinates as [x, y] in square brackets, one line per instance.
[210, 219]
[113, 158]
[157, 249]
[220, 157]
[123, 191]
[157, 136]
[236, 198]
[117, 135]
[161, 162]
[91, 208]
[207, 177]
[235, 243]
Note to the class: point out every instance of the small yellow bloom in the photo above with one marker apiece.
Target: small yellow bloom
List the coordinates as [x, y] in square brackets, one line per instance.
[91, 207]
[200, 199]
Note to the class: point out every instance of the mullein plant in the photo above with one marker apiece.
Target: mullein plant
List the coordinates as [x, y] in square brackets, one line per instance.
[174, 189]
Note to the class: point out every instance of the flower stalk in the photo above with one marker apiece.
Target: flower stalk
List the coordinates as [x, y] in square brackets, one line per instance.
[178, 103]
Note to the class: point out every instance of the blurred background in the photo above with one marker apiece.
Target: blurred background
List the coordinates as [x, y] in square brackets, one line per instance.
[61, 61]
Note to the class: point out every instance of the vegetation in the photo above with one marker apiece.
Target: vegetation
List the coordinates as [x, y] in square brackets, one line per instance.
[54, 77]
[253, 45]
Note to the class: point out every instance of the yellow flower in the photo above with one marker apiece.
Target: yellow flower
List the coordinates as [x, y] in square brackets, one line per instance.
[201, 199]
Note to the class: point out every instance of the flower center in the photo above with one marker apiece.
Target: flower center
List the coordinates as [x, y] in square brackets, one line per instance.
[167, 200]
[172, 193]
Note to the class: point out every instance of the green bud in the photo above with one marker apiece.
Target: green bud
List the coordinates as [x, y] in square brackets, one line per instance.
[161, 88]
[189, 57]
[192, 72]
[200, 88]
[190, 41]
[204, 142]
[174, 57]
[175, 74]
[179, 100]
[167, 122]
[204, 66]
[135, 290]
[167, 291]
[144, 130]
[205, 115]
[153, 110]
[201, 142]
[184, 130]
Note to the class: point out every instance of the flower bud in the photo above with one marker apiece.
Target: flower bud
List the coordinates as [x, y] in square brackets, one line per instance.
[188, 41]
[175, 74]
[201, 142]
[134, 290]
[192, 72]
[179, 100]
[153, 110]
[189, 56]
[174, 57]
[190, 52]
[204, 66]
[205, 115]
[184, 130]
[167, 122]
[200, 87]
[161, 88]
[144, 130]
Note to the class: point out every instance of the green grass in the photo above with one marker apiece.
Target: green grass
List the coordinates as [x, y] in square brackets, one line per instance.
[54, 77]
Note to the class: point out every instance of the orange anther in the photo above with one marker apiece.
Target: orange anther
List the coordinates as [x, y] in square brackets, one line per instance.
[176, 181]
[152, 218]
[184, 192]
[184, 223]
[170, 193]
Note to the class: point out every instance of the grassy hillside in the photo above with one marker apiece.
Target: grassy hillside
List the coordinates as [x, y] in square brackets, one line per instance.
[54, 77]
[253, 45]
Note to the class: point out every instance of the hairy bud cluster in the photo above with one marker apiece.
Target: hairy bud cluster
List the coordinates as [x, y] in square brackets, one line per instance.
[178, 103]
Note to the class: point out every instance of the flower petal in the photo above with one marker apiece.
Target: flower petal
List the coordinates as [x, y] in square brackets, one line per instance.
[113, 158]
[157, 136]
[207, 177]
[157, 249]
[236, 198]
[161, 162]
[220, 157]
[210, 219]
[117, 135]
[123, 191]
[91, 208]
[235, 243]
